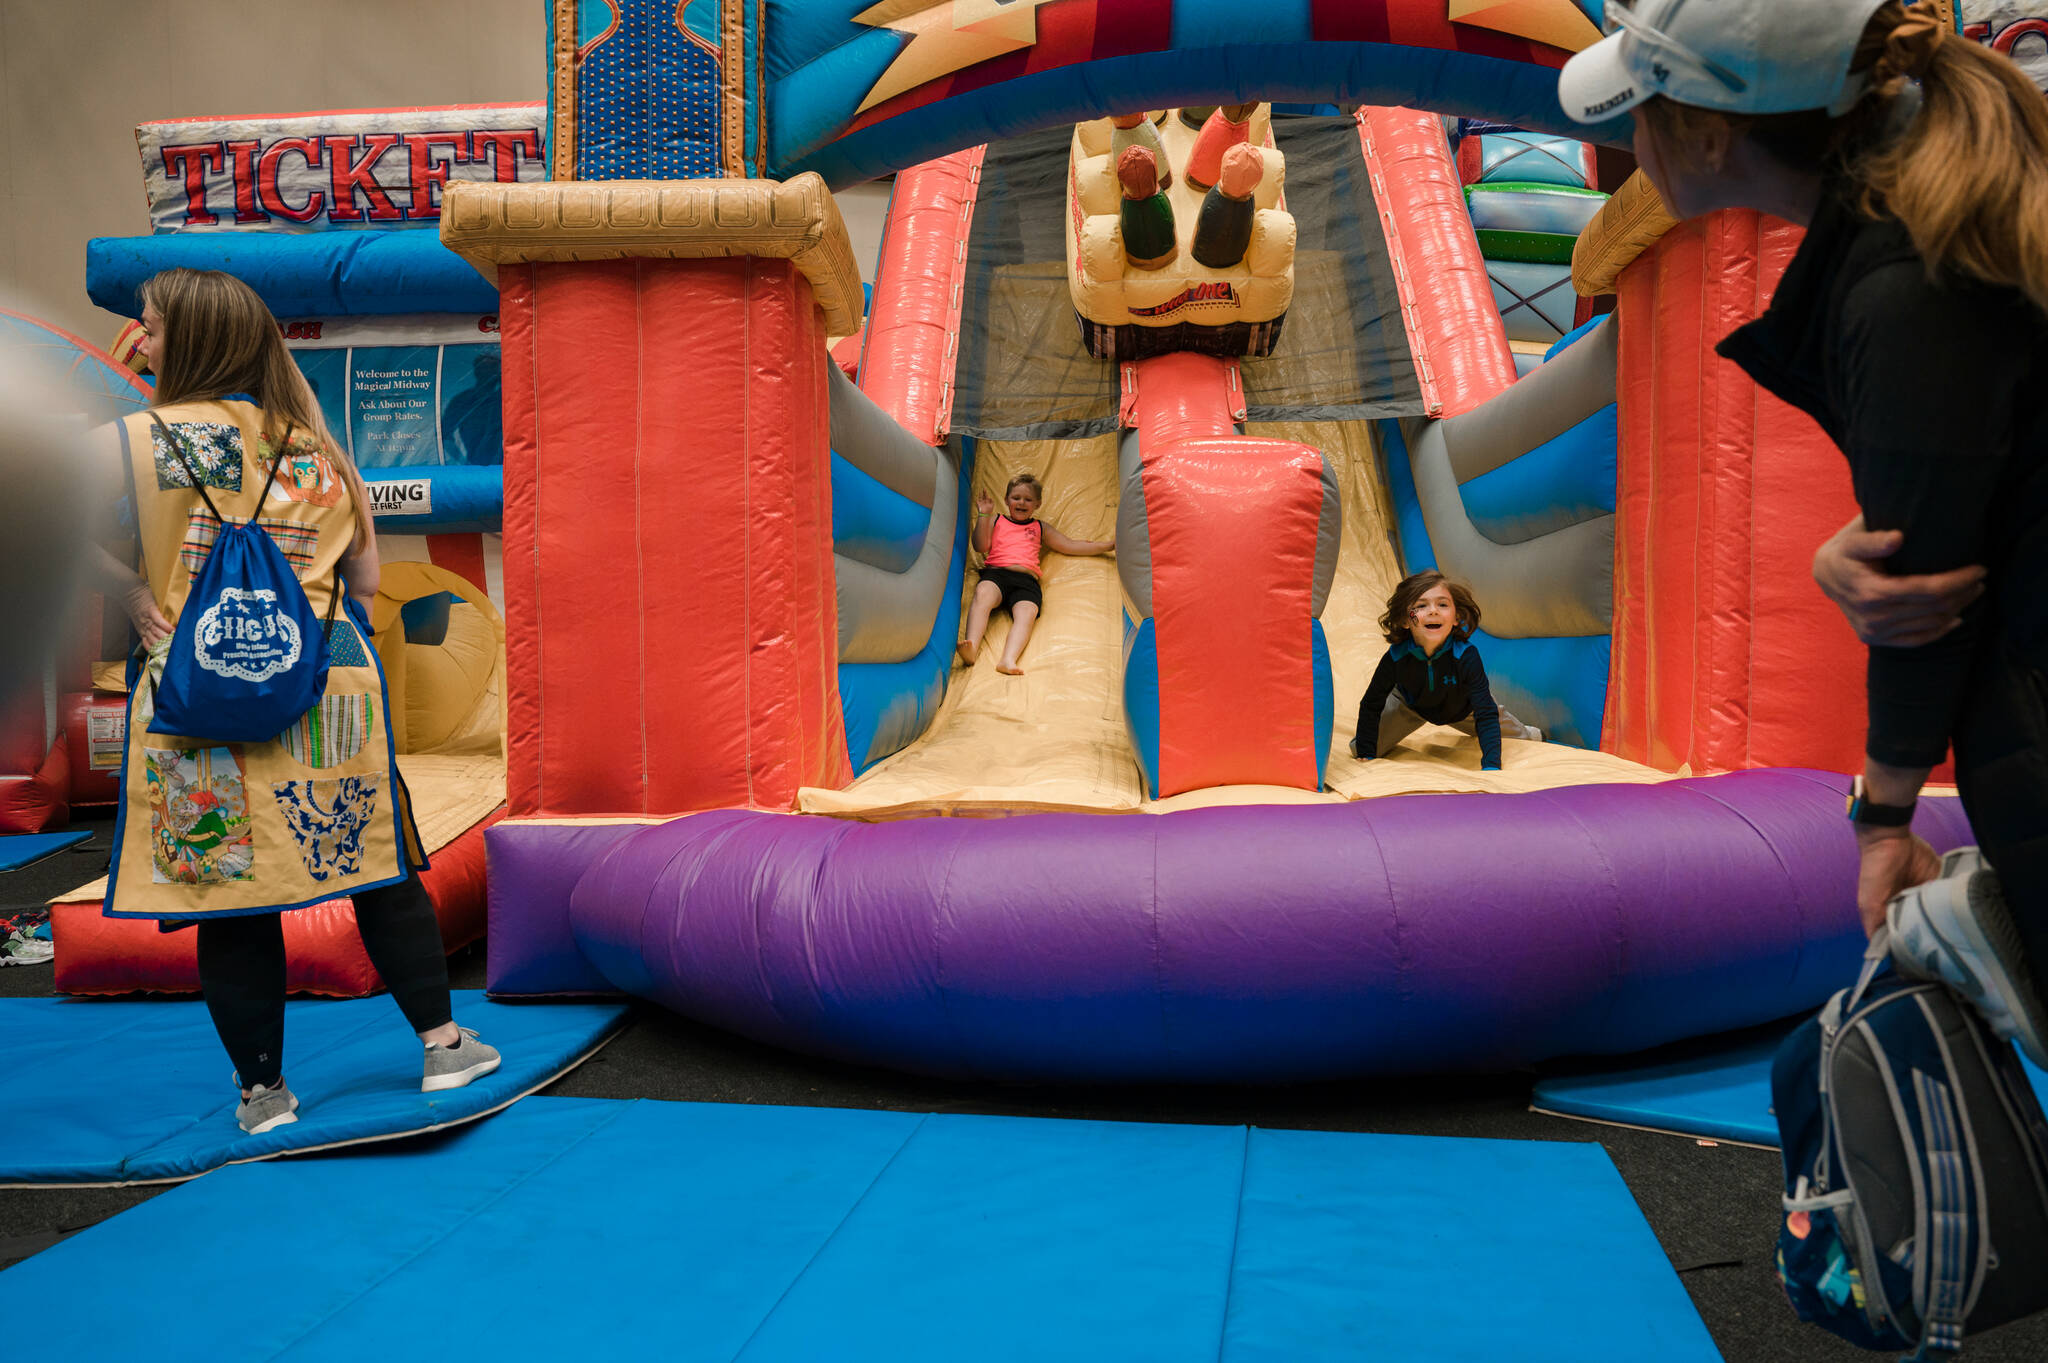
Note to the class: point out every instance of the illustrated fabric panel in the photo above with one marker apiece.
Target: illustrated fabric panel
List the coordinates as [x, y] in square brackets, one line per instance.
[345, 646]
[198, 816]
[327, 819]
[213, 448]
[333, 731]
[306, 475]
[296, 541]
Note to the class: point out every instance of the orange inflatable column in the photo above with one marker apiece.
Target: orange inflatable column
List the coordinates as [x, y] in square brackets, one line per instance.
[672, 633]
[1721, 638]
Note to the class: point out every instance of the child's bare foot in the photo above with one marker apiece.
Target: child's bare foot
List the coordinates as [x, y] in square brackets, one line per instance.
[966, 652]
[1010, 669]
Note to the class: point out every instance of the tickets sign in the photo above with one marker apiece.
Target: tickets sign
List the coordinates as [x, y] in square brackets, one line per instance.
[2015, 28]
[361, 168]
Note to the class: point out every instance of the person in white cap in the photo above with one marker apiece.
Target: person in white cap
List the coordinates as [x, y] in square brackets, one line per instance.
[1913, 326]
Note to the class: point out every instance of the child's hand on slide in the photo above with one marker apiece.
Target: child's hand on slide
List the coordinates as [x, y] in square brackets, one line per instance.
[984, 504]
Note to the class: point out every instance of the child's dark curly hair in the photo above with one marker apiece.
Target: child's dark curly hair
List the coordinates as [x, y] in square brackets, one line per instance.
[1401, 605]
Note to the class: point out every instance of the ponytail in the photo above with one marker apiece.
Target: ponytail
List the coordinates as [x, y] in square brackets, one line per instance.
[1969, 179]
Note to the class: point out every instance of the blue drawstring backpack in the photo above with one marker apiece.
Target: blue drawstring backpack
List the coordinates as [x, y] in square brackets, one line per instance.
[248, 657]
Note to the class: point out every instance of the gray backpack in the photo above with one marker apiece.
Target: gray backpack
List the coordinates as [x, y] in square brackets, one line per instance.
[1916, 1169]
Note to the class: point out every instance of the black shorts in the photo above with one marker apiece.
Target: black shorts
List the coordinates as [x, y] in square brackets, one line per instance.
[1016, 585]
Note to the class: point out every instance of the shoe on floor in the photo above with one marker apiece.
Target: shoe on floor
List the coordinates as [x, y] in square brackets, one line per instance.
[265, 1108]
[450, 1067]
[1959, 930]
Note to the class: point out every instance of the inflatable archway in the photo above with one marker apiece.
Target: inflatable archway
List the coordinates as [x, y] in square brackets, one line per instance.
[853, 90]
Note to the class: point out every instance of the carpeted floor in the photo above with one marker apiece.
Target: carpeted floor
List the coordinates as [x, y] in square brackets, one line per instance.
[1714, 1208]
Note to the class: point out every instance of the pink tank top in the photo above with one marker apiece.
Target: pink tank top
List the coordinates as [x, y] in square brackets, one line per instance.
[1012, 545]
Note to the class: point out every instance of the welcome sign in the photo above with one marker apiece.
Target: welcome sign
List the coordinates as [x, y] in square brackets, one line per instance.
[357, 168]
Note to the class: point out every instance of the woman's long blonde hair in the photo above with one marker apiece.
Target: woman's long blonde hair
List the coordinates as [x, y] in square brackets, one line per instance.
[1969, 176]
[217, 337]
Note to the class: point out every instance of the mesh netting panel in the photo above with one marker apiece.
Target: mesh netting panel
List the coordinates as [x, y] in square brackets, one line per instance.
[1025, 372]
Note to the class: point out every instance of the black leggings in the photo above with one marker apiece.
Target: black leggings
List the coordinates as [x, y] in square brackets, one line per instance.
[241, 968]
[2001, 748]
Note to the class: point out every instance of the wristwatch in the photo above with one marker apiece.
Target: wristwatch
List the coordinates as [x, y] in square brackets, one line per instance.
[1869, 812]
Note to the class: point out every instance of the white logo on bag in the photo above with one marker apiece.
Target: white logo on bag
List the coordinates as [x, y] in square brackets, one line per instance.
[243, 635]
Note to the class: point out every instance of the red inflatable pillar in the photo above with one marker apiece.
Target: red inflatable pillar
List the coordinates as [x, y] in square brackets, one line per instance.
[1721, 638]
[670, 620]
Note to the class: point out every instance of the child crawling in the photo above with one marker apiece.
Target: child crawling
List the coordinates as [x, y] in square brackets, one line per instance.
[1009, 546]
[1432, 673]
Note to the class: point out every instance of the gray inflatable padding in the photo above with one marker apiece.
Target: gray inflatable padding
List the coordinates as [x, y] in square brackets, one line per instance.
[1560, 584]
[886, 617]
[1556, 397]
[1329, 538]
[874, 442]
[1134, 536]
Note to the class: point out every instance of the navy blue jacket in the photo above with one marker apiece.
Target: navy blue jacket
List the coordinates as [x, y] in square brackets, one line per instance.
[1442, 689]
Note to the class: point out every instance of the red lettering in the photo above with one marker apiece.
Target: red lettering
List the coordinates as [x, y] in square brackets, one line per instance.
[267, 192]
[243, 156]
[488, 324]
[303, 331]
[2017, 29]
[193, 162]
[503, 148]
[347, 173]
[1977, 33]
[428, 174]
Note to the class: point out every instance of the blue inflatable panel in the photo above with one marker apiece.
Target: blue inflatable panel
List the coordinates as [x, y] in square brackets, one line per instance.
[1535, 158]
[1536, 300]
[1411, 532]
[299, 274]
[1517, 207]
[713, 1232]
[1719, 1092]
[873, 523]
[1573, 337]
[888, 705]
[1558, 684]
[121, 1092]
[26, 849]
[459, 497]
[1559, 483]
[1325, 697]
[1141, 697]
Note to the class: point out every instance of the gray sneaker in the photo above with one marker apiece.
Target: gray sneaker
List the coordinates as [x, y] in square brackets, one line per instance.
[1959, 930]
[265, 1108]
[450, 1067]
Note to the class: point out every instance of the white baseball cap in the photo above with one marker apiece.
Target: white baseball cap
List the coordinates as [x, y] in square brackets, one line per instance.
[1739, 56]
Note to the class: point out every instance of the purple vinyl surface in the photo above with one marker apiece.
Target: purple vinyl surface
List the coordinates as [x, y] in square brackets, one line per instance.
[1255, 943]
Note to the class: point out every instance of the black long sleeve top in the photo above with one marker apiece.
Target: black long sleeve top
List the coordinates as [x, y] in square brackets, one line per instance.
[1443, 688]
[1936, 389]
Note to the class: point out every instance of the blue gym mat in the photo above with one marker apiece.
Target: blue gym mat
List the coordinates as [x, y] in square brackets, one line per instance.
[1723, 1094]
[141, 1092]
[22, 849]
[573, 1228]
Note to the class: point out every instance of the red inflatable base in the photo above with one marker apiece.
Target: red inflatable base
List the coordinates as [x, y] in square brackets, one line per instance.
[100, 955]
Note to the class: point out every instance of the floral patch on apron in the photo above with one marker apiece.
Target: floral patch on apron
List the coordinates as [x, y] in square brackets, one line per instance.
[345, 646]
[327, 819]
[331, 732]
[198, 816]
[214, 447]
[305, 475]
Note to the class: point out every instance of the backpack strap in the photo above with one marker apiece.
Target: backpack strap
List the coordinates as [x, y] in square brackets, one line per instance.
[275, 464]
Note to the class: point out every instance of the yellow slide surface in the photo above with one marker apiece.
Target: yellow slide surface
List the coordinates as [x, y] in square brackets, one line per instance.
[1054, 738]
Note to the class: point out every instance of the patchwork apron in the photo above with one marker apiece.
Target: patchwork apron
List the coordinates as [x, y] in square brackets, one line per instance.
[210, 829]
